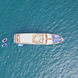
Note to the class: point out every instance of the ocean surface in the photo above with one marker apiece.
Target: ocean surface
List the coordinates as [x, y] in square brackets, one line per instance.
[39, 16]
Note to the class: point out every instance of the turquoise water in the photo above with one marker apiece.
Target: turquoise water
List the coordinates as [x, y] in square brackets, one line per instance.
[40, 16]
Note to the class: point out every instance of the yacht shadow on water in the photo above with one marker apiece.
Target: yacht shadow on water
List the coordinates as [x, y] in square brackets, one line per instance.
[30, 30]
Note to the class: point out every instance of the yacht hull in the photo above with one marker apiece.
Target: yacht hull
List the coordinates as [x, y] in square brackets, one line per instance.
[37, 38]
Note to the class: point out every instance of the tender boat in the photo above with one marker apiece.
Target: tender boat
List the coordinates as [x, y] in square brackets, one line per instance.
[37, 38]
[4, 40]
[4, 45]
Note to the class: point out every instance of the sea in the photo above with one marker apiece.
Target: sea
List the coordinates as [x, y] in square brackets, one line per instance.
[39, 16]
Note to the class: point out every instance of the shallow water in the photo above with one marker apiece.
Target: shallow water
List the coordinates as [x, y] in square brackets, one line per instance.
[31, 61]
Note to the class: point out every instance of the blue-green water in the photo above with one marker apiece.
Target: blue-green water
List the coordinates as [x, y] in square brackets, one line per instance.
[40, 16]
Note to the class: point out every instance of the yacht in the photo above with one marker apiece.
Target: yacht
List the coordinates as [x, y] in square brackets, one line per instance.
[37, 38]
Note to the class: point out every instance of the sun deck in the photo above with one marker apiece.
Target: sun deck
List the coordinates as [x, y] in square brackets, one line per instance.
[25, 38]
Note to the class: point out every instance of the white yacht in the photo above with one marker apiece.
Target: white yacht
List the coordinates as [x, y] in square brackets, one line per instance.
[37, 38]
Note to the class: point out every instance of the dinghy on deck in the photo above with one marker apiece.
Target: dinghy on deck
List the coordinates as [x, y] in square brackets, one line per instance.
[37, 38]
